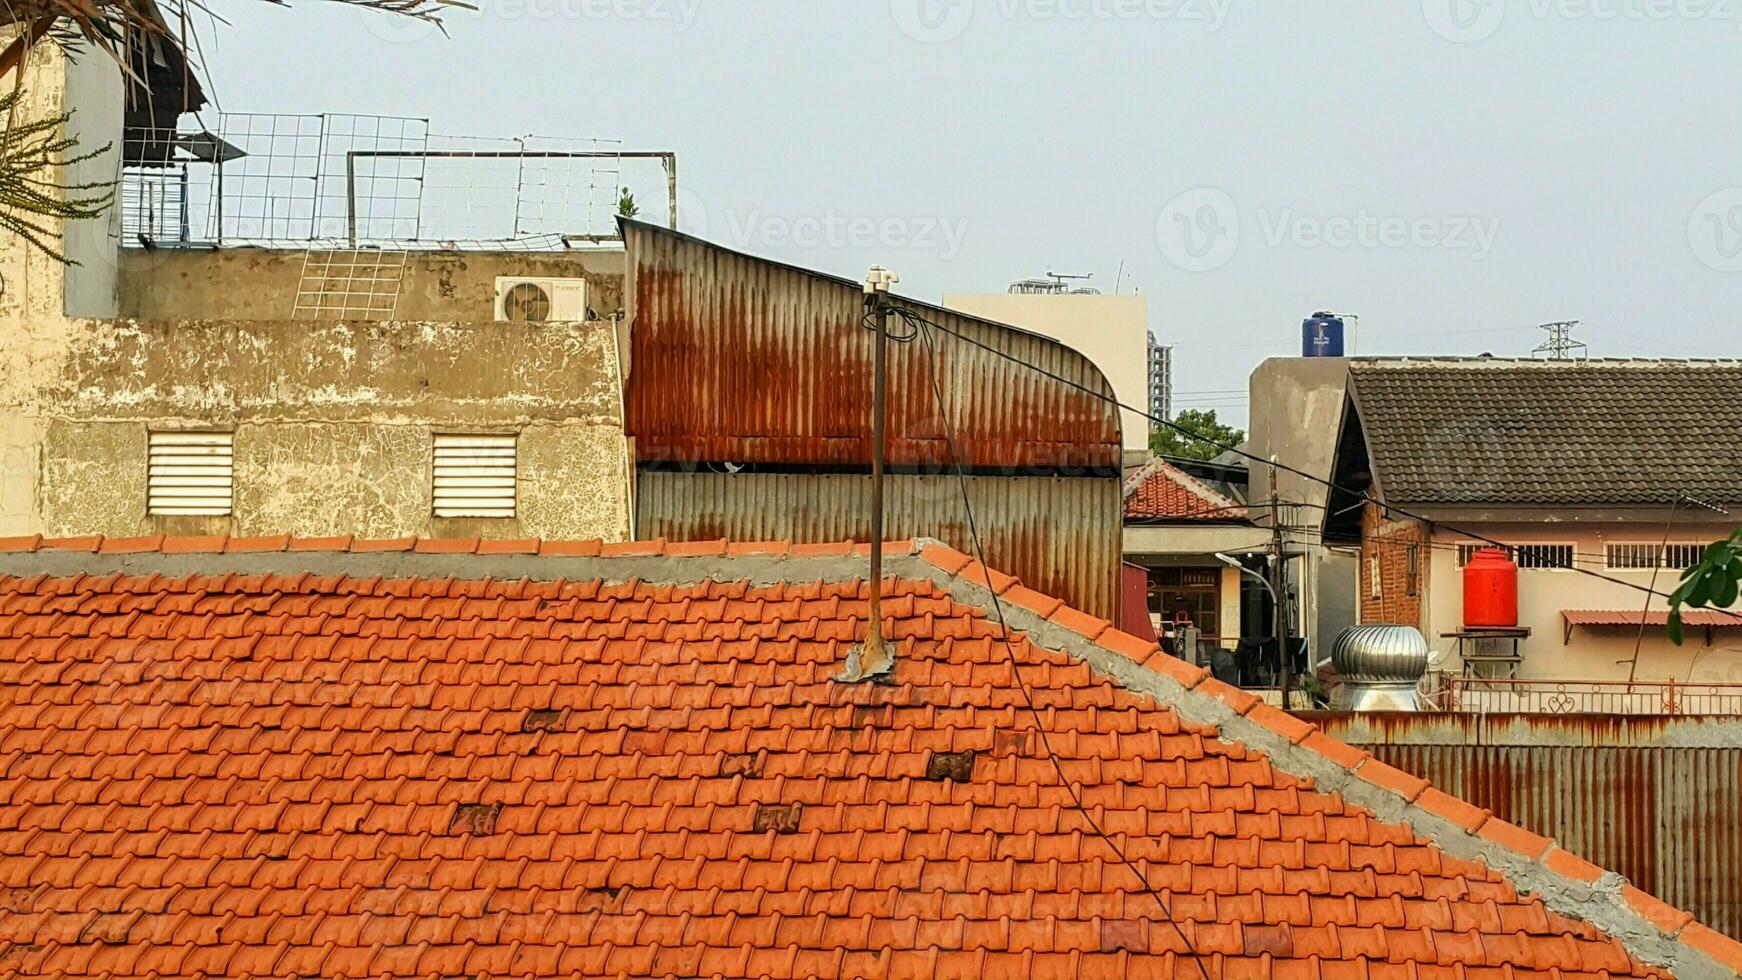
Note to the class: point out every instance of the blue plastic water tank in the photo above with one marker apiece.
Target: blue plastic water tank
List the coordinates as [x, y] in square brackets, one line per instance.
[1322, 336]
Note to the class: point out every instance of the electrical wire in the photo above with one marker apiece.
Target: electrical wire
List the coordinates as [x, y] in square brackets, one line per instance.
[1016, 667]
[914, 319]
[1639, 641]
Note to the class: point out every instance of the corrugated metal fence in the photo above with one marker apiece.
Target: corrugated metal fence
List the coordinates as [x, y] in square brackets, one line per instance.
[742, 363]
[1048, 530]
[1656, 799]
[740, 359]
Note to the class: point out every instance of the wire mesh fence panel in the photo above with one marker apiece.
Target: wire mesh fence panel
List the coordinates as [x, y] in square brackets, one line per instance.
[300, 181]
[349, 284]
[252, 177]
[380, 202]
[268, 191]
[471, 188]
[569, 195]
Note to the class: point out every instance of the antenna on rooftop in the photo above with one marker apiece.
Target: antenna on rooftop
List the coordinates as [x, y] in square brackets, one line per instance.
[1055, 284]
[1560, 344]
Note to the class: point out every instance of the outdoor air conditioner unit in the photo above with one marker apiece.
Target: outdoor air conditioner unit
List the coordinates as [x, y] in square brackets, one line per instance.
[530, 300]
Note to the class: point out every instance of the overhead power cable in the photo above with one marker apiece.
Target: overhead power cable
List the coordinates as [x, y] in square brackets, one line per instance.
[919, 329]
[914, 320]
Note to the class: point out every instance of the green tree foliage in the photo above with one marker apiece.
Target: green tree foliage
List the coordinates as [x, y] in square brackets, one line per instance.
[626, 206]
[30, 155]
[1712, 584]
[1210, 436]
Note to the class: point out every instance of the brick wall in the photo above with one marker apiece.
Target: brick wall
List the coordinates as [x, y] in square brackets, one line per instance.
[1394, 568]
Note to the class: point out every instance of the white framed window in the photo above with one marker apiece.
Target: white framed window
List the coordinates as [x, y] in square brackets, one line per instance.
[1625, 555]
[474, 474]
[1528, 556]
[1374, 568]
[189, 474]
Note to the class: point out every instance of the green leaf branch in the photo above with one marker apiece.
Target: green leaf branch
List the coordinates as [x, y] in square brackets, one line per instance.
[1714, 583]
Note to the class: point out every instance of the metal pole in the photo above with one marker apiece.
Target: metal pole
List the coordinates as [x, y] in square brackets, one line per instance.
[872, 660]
[671, 187]
[1279, 588]
[879, 399]
[351, 195]
[182, 231]
[218, 226]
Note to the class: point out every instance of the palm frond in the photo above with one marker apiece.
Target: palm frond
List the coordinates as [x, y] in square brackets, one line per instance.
[32, 196]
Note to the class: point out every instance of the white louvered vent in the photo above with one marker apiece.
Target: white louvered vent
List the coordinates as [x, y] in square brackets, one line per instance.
[189, 474]
[474, 475]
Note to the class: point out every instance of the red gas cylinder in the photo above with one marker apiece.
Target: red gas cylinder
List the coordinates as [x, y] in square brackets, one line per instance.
[1490, 590]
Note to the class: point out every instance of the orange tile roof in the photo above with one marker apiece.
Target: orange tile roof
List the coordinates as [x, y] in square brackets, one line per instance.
[1161, 491]
[539, 760]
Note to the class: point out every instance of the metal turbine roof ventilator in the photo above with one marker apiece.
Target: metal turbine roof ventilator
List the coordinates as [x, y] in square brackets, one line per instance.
[1381, 667]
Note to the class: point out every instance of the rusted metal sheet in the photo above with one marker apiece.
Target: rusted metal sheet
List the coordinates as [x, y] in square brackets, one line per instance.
[1134, 603]
[738, 359]
[1050, 532]
[1653, 798]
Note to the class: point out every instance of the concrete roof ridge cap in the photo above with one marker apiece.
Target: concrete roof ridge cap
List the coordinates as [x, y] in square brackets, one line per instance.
[1141, 475]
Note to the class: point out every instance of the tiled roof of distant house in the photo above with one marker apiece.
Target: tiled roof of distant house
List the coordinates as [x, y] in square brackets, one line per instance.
[1593, 433]
[418, 758]
[1162, 492]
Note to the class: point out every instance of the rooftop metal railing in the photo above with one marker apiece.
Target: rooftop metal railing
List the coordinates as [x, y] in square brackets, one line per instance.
[1486, 695]
[281, 180]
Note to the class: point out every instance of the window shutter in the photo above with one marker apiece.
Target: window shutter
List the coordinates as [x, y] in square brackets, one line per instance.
[475, 475]
[189, 474]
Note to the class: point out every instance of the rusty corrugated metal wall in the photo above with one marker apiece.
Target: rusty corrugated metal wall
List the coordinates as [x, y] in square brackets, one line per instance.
[740, 360]
[1658, 800]
[1047, 526]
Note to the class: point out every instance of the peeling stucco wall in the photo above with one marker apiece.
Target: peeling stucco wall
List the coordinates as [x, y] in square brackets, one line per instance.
[333, 421]
[33, 322]
[333, 424]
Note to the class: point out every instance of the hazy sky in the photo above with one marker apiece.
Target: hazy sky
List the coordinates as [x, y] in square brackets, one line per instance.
[1453, 171]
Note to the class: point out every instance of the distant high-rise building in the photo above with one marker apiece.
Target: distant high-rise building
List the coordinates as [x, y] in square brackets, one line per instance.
[1160, 380]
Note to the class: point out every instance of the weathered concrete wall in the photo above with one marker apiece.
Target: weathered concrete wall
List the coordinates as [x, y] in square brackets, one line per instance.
[95, 96]
[333, 424]
[261, 284]
[1296, 408]
[33, 291]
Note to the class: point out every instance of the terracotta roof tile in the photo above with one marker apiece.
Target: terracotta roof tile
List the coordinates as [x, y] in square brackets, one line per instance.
[87, 543]
[322, 775]
[1161, 491]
